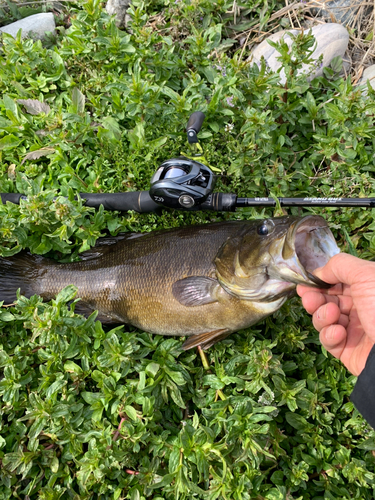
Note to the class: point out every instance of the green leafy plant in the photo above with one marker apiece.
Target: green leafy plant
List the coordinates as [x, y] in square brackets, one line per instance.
[92, 412]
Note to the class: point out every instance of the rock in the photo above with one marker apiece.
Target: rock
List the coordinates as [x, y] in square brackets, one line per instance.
[37, 26]
[368, 74]
[119, 9]
[332, 40]
[339, 11]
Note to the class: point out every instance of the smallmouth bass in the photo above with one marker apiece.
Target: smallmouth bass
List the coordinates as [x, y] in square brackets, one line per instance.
[203, 282]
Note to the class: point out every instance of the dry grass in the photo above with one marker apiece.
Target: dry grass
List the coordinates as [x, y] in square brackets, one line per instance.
[299, 15]
[360, 25]
[302, 15]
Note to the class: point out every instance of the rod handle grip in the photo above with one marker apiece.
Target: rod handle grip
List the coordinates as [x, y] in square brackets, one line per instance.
[139, 201]
[11, 197]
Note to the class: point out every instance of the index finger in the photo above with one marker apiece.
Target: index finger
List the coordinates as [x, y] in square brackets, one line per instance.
[312, 300]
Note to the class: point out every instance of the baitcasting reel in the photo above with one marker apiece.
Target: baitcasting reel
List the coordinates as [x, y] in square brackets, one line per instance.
[182, 183]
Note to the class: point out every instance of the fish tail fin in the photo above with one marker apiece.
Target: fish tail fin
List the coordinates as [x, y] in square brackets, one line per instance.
[19, 272]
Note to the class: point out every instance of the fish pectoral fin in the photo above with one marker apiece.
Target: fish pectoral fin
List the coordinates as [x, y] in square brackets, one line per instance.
[205, 340]
[196, 291]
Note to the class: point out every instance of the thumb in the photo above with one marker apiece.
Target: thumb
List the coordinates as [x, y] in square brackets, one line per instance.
[347, 269]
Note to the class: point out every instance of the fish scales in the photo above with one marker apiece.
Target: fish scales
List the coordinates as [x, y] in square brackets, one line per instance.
[204, 282]
[131, 281]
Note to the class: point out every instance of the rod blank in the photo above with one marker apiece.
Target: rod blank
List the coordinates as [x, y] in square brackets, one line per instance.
[306, 202]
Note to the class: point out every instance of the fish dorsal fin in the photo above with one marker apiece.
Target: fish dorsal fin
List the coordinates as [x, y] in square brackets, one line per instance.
[104, 245]
[196, 291]
[205, 340]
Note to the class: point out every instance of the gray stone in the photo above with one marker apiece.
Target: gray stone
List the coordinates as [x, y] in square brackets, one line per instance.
[340, 11]
[36, 26]
[119, 9]
[368, 74]
[332, 40]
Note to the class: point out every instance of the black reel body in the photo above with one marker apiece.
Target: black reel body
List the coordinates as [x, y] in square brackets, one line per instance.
[182, 183]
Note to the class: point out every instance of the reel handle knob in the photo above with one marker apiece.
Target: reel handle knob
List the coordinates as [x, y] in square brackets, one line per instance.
[194, 125]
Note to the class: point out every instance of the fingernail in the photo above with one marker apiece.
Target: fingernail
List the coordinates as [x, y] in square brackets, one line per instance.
[316, 271]
[321, 312]
[330, 334]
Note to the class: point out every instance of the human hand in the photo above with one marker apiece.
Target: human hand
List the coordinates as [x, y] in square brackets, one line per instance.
[345, 314]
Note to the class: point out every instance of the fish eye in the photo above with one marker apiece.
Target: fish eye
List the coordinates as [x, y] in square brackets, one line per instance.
[265, 228]
[262, 230]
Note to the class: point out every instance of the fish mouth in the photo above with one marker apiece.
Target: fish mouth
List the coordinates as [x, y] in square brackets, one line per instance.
[287, 258]
[308, 245]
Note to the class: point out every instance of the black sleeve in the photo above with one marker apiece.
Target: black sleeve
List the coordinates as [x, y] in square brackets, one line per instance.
[363, 395]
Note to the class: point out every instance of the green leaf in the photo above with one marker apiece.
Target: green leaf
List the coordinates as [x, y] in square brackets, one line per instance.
[277, 494]
[72, 367]
[68, 293]
[36, 428]
[174, 460]
[176, 396]
[176, 376]
[9, 141]
[55, 387]
[152, 369]
[137, 136]
[78, 101]
[368, 445]
[131, 413]
[311, 105]
[128, 48]
[91, 397]
[44, 246]
[111, 124]
[2, 442]
[54, 465]
[158, 143]
[336, 64]
[166, 480]
[297, 421]
[60, 410]
[10, 104]
[213, 381]
[209, 73]
[278, 478]
[351, 247]
[6, 315]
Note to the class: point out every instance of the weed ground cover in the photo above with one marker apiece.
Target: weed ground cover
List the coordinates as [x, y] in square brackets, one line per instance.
[90, 412]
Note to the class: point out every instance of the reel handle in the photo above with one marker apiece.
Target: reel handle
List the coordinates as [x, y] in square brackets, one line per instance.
[194, 125]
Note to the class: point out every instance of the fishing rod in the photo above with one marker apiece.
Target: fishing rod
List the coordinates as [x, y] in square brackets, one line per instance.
[187, 184]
